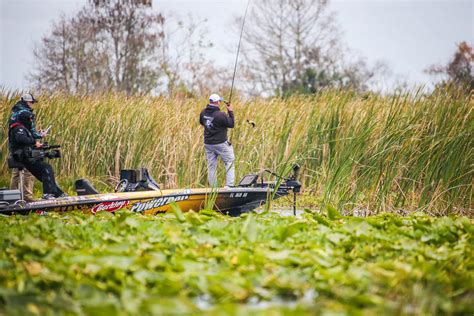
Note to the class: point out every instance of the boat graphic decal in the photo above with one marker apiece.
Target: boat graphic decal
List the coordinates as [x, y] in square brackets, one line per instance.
[155, 203]
[109, 206]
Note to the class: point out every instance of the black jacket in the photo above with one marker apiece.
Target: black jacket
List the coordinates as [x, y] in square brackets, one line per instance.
[215, 124]
[20, 139]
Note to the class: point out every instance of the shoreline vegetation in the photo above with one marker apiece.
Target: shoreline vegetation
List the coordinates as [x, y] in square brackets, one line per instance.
[256, 264]
[408, 151]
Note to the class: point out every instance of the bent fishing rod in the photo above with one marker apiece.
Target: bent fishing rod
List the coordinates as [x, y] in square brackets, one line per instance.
[237, 60]
[238, 50]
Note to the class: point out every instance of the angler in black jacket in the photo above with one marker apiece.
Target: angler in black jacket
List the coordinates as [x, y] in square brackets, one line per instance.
[20, 142]
[216, 143]
[25, 104]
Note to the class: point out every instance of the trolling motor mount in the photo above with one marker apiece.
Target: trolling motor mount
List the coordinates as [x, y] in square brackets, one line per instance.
[286, 184]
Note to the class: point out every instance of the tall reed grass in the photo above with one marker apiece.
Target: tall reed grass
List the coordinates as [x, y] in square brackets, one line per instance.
[410, 150]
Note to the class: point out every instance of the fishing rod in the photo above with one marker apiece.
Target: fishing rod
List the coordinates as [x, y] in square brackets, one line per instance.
[238, 50]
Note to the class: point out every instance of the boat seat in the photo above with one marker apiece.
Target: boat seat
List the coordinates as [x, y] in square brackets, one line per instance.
[84, 187]
[132, 180]
[14, 164]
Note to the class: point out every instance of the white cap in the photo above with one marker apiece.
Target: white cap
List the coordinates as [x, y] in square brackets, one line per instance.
[28, 97]
[215, 97]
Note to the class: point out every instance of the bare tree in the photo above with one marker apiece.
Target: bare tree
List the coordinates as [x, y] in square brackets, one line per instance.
[67, 59]
[110, 44]
[132, 33]
[184, 58]
[293, 45]
[460, 70]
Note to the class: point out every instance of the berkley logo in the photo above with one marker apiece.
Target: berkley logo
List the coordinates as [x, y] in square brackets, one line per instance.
[109, 206]
[145, 206]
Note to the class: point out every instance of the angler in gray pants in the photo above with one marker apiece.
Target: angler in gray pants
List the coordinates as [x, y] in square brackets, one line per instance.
[216, 144]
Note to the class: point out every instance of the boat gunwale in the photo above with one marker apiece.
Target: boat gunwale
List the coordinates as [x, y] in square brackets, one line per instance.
[97, 199]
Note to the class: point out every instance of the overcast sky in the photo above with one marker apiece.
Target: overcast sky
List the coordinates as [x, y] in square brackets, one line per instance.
[407, 35]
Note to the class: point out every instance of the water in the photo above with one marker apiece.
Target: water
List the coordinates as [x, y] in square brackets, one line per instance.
[204, 302]
[283, 212]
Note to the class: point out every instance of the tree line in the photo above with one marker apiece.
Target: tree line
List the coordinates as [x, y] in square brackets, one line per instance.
[291, 46]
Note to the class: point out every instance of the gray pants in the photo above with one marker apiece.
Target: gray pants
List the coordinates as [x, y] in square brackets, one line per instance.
[226, 152]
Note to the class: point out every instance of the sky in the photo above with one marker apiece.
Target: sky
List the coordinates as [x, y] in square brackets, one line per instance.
[408, 36]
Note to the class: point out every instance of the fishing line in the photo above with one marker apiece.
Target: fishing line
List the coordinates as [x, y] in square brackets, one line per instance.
[238, 50]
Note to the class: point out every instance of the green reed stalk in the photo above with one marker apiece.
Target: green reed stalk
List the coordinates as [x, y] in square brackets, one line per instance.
[409, 150]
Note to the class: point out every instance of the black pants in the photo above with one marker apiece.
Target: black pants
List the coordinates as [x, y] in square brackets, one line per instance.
[44, 173]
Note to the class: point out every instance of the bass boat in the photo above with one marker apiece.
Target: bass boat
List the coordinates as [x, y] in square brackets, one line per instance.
[137, 192]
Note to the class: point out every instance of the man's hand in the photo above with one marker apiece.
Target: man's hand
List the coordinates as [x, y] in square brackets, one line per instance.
[229, 107]
[38, 144]
[45, 132]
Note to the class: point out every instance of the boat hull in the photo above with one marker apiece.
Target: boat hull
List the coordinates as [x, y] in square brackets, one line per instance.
[233, 201]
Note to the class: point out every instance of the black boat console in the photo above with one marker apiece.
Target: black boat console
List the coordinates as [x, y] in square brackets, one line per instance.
[136, 180]
[248, 180]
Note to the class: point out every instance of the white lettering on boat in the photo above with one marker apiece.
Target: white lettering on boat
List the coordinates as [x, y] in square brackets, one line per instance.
[145, 206]
[238, 195]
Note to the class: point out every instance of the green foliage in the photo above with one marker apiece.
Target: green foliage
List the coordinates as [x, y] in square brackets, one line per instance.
[187, 263]
[332, 212]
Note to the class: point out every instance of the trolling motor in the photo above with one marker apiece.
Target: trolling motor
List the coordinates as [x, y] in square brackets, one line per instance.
[296, 185]
[292, 183]
[251, 180]
[292, 180]
[286, 185]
